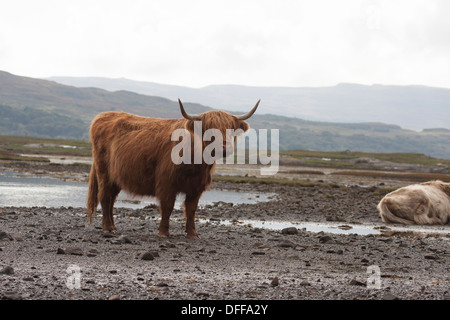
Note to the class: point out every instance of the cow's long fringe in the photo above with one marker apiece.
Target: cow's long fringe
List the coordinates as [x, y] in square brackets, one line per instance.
[92, 200]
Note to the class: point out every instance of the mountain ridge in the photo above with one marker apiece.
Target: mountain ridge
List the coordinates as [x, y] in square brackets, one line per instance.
[44, 108]
[414, 107]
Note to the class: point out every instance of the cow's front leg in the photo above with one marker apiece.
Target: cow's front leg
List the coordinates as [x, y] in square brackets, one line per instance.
[190, 205]
[166, 208]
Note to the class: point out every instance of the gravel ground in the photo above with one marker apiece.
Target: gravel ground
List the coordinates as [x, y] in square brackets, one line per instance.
[52, 254]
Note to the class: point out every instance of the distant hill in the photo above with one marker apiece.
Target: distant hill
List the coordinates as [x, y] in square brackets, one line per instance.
[57, 105]
[411, 107]
[19, 92]
[44, 108]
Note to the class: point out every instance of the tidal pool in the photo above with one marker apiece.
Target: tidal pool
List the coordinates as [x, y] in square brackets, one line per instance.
[28, 190]
[338, 228]
[334, 227]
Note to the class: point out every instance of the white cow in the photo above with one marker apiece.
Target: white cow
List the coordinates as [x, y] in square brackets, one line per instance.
[424, 203]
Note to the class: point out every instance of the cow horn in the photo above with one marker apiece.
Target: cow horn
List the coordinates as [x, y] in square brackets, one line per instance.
[250, 113]
[187, 115]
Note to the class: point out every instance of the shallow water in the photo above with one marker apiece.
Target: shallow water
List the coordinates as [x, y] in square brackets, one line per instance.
[26, 190]
[335, 227]
[61, 159]
[307, 226]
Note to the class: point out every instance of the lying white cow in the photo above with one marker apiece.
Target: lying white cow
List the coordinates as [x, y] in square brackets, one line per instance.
[424, 203]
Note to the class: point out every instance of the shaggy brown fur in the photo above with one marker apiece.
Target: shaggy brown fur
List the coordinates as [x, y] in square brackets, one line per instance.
[133, 153]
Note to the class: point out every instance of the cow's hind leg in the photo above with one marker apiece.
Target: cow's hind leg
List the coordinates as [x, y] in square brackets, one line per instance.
[190, 205]
[107, 199]
[166, 207]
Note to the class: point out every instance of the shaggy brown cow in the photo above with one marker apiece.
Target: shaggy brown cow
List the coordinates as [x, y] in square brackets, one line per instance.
[133, 154]
[424, 203]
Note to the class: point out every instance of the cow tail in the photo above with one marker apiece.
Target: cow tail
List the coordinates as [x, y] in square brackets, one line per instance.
[92, 200]
[388, 216]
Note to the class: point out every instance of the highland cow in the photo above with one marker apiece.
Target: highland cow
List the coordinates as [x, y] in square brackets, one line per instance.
[424, 203]
[133, 153]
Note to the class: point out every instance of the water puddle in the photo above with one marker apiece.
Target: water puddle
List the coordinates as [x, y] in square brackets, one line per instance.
[31, 190]
[307, 226]
[336, 228]
[62, 159]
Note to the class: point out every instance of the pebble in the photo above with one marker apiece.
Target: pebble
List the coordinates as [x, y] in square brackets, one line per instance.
[325, 239]
[73, 251]
[92, 252]
[355, 282]
[114, 297]
[168, 245]
[275, 282]
[147, 256]
[161, 284]
[305, 283]
[290, 230]
[123, 239]
[287, 244]
[154, 253]
[4, 235]
[258, 253]
[7, 270]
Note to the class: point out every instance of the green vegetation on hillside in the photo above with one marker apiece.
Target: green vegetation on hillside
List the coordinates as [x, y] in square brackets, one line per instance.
[364, 137]
[40, 108]
[39, 123]
[11, 147]
[323, 158]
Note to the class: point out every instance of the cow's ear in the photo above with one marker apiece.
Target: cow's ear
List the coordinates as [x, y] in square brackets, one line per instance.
[244, 126]
[189, 125]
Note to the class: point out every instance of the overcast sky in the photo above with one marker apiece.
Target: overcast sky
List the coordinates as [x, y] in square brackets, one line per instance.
[257, 43]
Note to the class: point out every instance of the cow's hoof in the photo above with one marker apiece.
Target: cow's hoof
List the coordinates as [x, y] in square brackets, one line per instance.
[163, 234]
[112, 229]
[193, 236]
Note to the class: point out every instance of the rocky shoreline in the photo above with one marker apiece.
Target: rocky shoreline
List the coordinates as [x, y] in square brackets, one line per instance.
[53, 254]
